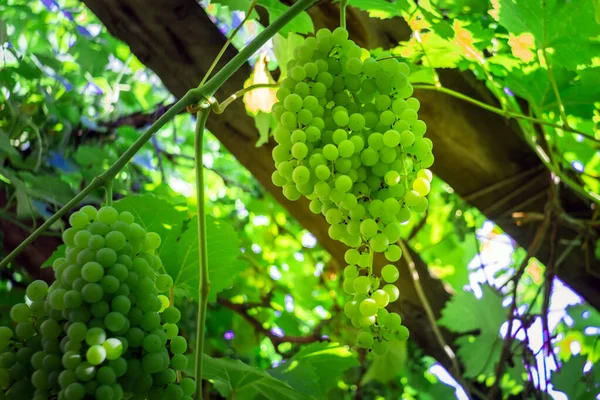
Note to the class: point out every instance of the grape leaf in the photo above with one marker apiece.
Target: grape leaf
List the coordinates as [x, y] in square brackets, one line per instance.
[263, 125]
[329, 359]
[578, 92]
[283, 47]
[153, 214]
[571, 380]
[388, 366]
[301, 376]
[381, 9]
[59, 252]
[584, 316]
[465, 313]
[234, 379]
[180, 258]
[568, 27]
[300, 24]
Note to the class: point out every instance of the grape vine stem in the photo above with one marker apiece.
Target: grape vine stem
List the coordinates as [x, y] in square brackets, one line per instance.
[203, 282]
[507, 114]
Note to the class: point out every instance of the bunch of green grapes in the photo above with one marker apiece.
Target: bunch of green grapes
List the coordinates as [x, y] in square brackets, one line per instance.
[350, 140]
[101, 330]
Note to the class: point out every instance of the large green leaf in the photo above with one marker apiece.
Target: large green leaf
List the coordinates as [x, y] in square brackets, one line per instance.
[327, 360]
[180, 258]
[382, 9]
[571, 380]
[301, 24]
[388, 366]
[567, 27]
[584, 316]
[154, 214]
[465, 313]
[236, 380]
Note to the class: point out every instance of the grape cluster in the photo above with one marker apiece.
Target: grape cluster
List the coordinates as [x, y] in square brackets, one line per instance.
[349, 139]
[101, 330]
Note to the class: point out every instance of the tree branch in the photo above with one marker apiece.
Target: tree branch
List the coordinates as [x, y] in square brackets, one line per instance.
[242, 310]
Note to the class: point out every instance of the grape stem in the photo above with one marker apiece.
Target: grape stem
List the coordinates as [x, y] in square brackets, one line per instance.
[193, 96]
[507, 114]
[108, 187]
[343, 5]
[219, 108]
[203, 282]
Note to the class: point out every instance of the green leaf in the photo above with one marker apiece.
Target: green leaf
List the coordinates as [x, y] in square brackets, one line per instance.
[234, 379]
[388, 366]
[283, 47]
[58, 253]
[584, 316]
[263, 124]
[92, 57]
[47, 188]
[154, 215]
[90, 155]
[3, 32]
[301, 24]
[571, 380]
[382, 9]
[566, 27]
[180, 258]
[465, 313]
[301, 376]
[7, 149]
[330, 360]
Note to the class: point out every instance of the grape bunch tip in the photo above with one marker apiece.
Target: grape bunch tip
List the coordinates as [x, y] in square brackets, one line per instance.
[349, 139]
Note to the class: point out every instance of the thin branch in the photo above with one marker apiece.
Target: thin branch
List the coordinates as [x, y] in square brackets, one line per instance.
[242, 310]
[414, 274]
[229, 40]
[506, 349]
[506, 114]
[219, 107]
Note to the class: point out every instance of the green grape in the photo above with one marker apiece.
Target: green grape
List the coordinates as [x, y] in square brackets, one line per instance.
[381, 298]
[393, 321]
[380, 347]
[151, 343]
[393, 253]
[107, 215]
[92, 271]
[390, 273]
[114, 321]
[96, 354]
[403, 333]
[368, 307]
[364, 340]
[178, 345]
[171, 315]
[107, 257]
[20, 312]
[75, 391]
[37, 290]
[362, 284]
